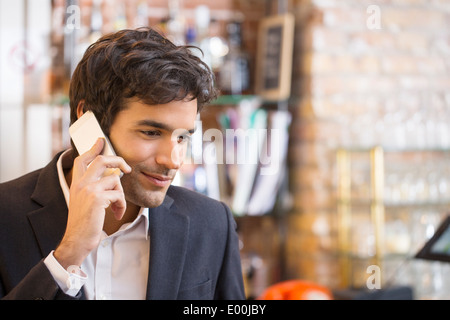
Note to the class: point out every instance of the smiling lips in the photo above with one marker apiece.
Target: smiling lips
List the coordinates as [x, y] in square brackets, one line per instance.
[158, 180]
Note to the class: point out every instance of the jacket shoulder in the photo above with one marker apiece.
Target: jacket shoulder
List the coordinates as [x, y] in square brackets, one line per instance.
[19, 188]
[189, 199]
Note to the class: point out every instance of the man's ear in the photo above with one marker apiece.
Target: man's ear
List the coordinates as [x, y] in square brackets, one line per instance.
[80, 109]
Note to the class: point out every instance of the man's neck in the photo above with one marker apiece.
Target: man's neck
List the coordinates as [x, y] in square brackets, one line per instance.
[110, 224]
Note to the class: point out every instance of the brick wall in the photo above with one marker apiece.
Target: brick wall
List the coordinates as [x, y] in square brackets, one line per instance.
[353, 86]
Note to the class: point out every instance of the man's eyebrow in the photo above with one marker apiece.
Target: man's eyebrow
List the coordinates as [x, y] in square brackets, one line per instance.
[160, 125]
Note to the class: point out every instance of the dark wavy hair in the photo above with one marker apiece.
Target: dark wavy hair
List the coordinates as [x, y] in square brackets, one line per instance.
[142, 64]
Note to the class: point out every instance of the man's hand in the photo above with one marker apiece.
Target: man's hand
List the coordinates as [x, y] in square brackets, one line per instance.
[92, 191]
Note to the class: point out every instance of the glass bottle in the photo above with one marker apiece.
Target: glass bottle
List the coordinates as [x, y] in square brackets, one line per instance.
[235, 74]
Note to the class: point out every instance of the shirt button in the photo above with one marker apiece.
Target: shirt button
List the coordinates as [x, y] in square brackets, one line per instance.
[105, 243]
[103, 297]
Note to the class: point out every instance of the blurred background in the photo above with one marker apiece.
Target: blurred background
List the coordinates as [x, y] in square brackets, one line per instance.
[349, 177]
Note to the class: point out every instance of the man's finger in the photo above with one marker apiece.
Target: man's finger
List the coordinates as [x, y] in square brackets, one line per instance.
[82, 161]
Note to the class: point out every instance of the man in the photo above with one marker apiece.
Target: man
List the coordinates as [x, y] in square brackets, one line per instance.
[70, 231]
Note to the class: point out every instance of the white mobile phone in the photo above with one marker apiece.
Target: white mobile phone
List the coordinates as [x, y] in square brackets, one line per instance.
[85, 132]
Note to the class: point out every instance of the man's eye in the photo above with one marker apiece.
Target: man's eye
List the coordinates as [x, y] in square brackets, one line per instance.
[184, 138]
[151, 133]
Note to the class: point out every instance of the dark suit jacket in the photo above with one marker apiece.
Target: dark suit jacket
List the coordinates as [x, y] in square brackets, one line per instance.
[194, 251]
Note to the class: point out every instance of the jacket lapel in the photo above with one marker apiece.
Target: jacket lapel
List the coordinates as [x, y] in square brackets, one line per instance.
[169, 232]
[49, 221]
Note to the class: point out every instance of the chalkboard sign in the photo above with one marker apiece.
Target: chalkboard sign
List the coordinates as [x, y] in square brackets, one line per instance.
[274, 60]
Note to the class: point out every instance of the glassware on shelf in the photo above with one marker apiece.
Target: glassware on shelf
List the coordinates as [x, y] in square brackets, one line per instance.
[418, 178]
[234, 76]
[419, 121]
[389, 205]
[397, 237]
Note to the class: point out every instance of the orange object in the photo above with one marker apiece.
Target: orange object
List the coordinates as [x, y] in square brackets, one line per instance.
[296, 290]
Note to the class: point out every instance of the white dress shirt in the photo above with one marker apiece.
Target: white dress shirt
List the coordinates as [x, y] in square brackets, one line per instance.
[117, 268]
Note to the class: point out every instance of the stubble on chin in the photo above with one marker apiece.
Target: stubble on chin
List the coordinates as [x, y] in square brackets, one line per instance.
[140, 196]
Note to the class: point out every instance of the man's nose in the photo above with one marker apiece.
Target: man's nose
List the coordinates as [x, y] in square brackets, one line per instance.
[170, 154]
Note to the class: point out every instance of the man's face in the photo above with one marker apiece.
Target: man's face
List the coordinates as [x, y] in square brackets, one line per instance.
[144, 136]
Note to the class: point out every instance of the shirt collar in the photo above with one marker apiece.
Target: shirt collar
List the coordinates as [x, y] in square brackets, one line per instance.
[64, 162]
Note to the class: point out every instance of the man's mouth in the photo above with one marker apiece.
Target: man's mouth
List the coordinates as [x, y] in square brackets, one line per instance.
[158, 180]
